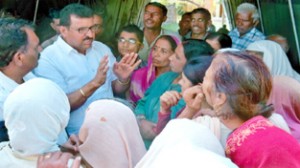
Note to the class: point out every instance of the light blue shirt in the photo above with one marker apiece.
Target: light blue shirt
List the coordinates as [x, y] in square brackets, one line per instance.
[71, 70]
[7, 85]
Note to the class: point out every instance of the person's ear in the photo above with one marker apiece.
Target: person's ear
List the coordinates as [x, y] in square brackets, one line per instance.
[63, 30]
[165, 18]
[221, 99]
[18, 58]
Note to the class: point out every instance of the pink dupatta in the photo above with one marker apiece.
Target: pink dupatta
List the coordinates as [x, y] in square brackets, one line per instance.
[285, 97]
[142, 78]
[258, 143]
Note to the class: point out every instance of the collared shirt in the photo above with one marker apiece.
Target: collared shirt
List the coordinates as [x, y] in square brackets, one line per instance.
[144, 53]
[241, 42]
[71, 70]
[7, 85]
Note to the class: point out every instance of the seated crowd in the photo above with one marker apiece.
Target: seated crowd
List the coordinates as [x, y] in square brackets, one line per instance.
[190, 98]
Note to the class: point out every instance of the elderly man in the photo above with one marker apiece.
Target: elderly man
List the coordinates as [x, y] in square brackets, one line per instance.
[19, 50]
[85, 69]
[246, 19]
[154, 15]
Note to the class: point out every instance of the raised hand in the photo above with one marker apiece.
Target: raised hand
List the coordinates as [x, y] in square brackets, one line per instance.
[126, 66]
[169, 99]
[100, 77]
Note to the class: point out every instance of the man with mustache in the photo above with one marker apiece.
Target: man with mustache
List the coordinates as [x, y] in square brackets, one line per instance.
[155, 14]
[19, 53]
[85, 69]
[201, 19]
[246, 19]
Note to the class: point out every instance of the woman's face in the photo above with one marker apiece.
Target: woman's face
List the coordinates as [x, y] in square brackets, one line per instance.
[184, 82]
[128, 43]
[161, 52]
[178, 60]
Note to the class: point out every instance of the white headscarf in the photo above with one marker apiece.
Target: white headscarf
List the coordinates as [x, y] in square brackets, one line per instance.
[275, 58]
[110, 136]
[185, 143]
[35, 113]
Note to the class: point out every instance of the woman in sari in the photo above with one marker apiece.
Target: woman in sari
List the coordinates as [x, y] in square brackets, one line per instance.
[148, 107]
[237, 86]
[158, 63]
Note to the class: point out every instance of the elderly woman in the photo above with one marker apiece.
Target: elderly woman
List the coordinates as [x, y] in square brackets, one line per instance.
[237, 87]
[36, 112]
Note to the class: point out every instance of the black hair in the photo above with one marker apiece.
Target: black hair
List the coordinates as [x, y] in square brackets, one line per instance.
[76, 9]
[13, 38]
[224, 40]
[203, 11]
[132, 28]
[194, 48]
[195, 68]
[159, 5]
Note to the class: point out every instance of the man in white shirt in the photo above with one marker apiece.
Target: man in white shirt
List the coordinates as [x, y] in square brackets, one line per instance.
[19, 50]
[85, 69]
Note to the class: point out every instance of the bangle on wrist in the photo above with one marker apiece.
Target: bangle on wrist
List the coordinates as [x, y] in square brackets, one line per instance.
[82, 92]
[124, 83]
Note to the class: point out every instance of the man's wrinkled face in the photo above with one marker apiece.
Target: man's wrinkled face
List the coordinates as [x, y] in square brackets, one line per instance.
[244, 22]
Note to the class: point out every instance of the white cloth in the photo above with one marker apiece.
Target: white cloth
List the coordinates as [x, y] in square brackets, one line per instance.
[275, 58]
[184, 143]
[35, 113]
[144, 52]
[72, 70]
[110, 136]
[7, 85]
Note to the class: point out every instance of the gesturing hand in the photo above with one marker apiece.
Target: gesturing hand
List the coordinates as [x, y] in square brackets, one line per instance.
[126, 66]
[167, 100]
[100, 77]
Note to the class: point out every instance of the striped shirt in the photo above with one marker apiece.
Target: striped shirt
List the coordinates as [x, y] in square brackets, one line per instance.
[241, 42]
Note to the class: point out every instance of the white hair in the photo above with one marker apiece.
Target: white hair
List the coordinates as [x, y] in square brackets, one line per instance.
[248, 8]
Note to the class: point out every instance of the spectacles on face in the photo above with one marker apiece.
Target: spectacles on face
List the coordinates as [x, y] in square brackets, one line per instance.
[84, 30]
[130, 41]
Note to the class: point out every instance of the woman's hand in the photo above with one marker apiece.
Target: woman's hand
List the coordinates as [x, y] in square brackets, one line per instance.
[167, 100]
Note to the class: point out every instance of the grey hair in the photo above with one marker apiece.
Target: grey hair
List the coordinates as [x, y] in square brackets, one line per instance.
[13, 38]
[248, 7]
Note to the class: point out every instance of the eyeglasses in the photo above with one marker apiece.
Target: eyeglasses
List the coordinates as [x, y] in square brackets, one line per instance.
[84, 30]
[130, 41]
